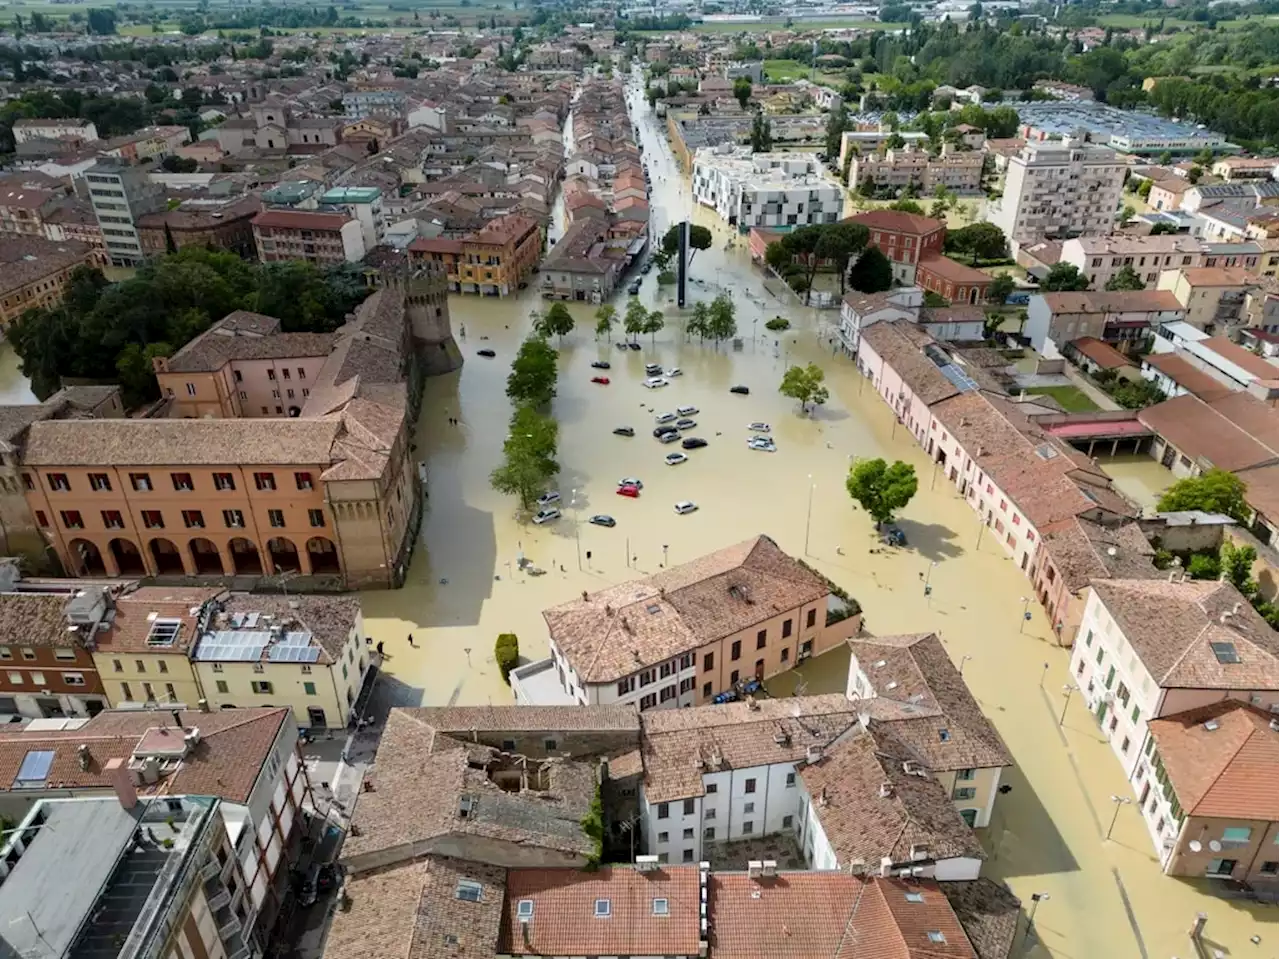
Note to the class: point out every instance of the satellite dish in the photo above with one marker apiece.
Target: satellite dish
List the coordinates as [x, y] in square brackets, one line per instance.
[1194, 845]
[1111, 551]
[1215, 845]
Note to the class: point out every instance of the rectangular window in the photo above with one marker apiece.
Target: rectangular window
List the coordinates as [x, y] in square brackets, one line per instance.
[689, 807]
[73, 679]
[170, 692]
[27, 481]
[708, 832]
[59, 482]
[222, 686]
[276, 518]
[261, 687]
[664, 811]
[224, 481]
[762, 637]
[966, 775]
[708, 662]
[163, 666]
[149, 692]
[112, 519]
[303, 480]
[786, 628]
[193, 518]
[100, 482]
[791, 780]
[664, 837]
[787, 822]
[271, 374]
[71, 519]
[749, 786]
[810, 618]
[182, 482]
[316, 516]
[963, 792]
[786, 655]
[126, 692]
[41, 519]
[735, 651]
[265, 481]
[748, 828]
[233, 518]
[309, 688]
[1236, 835]
[141, 482]
[648, 701]
[152, 519]
[706, 690]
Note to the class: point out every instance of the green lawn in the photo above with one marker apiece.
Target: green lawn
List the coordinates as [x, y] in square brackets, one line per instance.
[1130, 21]
[755, 26]
[1070, 398]
[784, 71]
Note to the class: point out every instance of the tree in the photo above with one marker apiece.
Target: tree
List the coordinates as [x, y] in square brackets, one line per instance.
[1236, 563]
[881, 489]
[533, 373]
[1064, 277]
[721, 319]
[742, 91]
[1213, 491]
[1162, 228]
[837, 123]
[636, 318]
[699, 239]
[872, 273]
[804, 383]
[699, 322]
[761, 134]
[907, 205]
[528, 457]
[653, 325]
[978, 241]
[1126, 279]
[506, 652]
[1001, 288]
[606, 316]
[557, 321]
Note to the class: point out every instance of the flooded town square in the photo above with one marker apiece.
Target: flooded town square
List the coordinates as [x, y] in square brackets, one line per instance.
[465, 586]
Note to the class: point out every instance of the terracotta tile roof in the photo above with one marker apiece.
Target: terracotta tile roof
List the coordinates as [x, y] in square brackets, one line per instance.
[678, 745]
[1197, 430]
[616, 631]
[135, 612]
[27, 259]
[1260, 420]
[1262, 491]
[893, 344]
[429, 787]
[989, 914]
[861, 824]
[412, 911]
[529, 718]
[1083, 550]
[1103, 354]
[564, 917]
[234, 745]
[1119, 301]
[832, 915]
[36, 619]
[949, 269]
[1190, 378]
[919, 690]
[1224, 772]
[301, 220]
[247, 336]
[1171, 626]
[1247, 360]
[895, 221]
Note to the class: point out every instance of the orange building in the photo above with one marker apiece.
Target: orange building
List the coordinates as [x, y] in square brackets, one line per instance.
[496, 260]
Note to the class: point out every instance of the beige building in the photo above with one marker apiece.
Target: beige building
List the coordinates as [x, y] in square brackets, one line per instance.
[1059, 188]
[304, 652]
[34, 272]
[1214, 297]
[688, 633]
[958, 172]
[910, 683]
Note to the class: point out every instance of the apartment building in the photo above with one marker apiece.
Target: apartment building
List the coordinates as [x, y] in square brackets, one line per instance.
[246, 765]
[389, 103]
[244, 366]
[307, 653]
[1213, 297]
[120, 194]
[651, 641]
[1100, 258]
[781, 190]
[1232, 169]
[71, 129]
[1124, 320]
[867, 142]
[148, 144]
[957, 171]
[205, 224]
[1208, 803]
[588, 261]
[23, 210]
[1059, 188]
[34, 272]
[364, 204]
[325, 239]
[905, 238]
[46, 667]
[498, 259]
[1153, 648]
[910, 683]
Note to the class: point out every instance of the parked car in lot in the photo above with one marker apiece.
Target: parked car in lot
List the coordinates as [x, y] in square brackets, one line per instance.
[740, 390]
[624, 431]
[631, 481]
[762, 444]
[670, 437]
[489, 354]
[675, 459]
[758, 427]
[653, 369]
[546, 515]
[686, 506]
[546, 499]
[693, 443]
[728, 696]
[602, 520]
[648, 265]
[602, 380]
[667, 430]
[601, 365]
[684, 423]
[687, 410]
[635, 346]
[654, 383]
[621, 346]
[630, 491]
[665, 418]
[675, 371]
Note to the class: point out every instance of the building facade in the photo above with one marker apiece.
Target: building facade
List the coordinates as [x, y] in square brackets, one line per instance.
[956, 171]
[46, 668]
[1059, 189]
[778, 190]
[121, 194]
[34, 272]
[326, 239]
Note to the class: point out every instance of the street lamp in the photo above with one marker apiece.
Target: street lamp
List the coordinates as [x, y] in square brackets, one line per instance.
[664, 555]
[964, 659]
[1036, 899]
[1043, 673]
[1068, 689]
[1119, 801]
[929, 575]
[577, 526]
[1026, 612]
[808, 515]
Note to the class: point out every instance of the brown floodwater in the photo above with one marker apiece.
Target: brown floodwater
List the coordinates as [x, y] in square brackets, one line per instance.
[15, 389]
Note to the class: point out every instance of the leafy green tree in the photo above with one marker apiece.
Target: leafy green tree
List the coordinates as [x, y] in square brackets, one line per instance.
[882, 490]
[699, 321]
[699, 239]
[506, 653]
[1213, 491]
[742, 91]
[1064, 277]
[533, 373]
[557, 321]
[977, 241]
[606, 316]
[653, 325]
[1001, 288]
[1236, 563]
[872, 273]
[721, 319]
[907, 205]
[1203, 566]
[804, 383]
[528, 457]
[635, 319]
[1125, 279]
[761, 134]
[837, 123]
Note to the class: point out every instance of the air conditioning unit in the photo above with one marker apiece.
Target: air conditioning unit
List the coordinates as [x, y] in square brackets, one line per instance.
[646, 863]
[919, 851]
[754, 868]
[769, 867]
[813, 753]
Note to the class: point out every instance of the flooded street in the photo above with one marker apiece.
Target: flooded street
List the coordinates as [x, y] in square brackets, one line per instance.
[15, 389]
[1107, 899]
[1139, 477]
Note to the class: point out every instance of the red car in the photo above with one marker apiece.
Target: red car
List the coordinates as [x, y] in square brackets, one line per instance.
[602, 380]
[632, 491]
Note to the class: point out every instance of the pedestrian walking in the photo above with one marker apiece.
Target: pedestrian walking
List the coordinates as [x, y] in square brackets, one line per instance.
[411, 639]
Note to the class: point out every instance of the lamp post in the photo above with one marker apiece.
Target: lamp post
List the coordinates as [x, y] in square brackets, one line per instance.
[1043, 673]
[1119, 802]
[1068, 689]
[1036, 899]
[964, 659]
[808, 519]
[577, 526]
[929, 575]
[1026, 612]
[664, 555]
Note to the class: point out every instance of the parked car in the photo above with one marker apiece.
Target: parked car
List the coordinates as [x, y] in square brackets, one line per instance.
[662, 431]
[892, 535]
[621, 346]
[602, 380]
[693, 443]
[635, 346]
[546, 499]
[631, 481]
[630, 491]
[633, 287]
[686, 506]
[648, 265]
[758, 427]
[675, 459]
[654, 383]
[728, 696]
[687, 410]
[670, 437]
[546, 515]
[603, 520]
[486, 353]
[624, 431]
[762, 444]
[601, 365]
[664, 418]
[653, 369]
[675, 371]
[740, 390]
[684, 423]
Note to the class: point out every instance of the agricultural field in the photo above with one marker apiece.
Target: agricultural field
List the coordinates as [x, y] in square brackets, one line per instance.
[1130, 21]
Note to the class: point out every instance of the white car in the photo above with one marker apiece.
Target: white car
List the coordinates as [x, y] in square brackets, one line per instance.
[546, 499]
[664, 418]
[762, 444]
[687, 410]
[758, 427]
[685, 424]
[654, 382]
[653, 369]
[546, 515]
[675, 459]
[630, 481]
[686, 506]
[675, 371]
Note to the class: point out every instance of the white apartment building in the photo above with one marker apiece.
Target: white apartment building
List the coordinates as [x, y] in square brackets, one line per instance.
[53, 128]
[1058, 188]
[720, 773]
[861, 310]
[1151, 648]
[121, 193]
[775, 190]
[1102, 257]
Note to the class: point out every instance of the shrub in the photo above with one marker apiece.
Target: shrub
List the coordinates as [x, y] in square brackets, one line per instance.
[506, 650]
[666, 278]
[778, 324]
[1204, 566]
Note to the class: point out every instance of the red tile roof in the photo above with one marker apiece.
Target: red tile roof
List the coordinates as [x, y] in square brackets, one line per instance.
[949, 269]
[896, 221]
[301, 220]
[1104, 355]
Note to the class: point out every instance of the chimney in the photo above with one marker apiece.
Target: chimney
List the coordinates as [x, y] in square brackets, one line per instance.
[117, 771]
[203, 704]
[177, 717]
[85, 757]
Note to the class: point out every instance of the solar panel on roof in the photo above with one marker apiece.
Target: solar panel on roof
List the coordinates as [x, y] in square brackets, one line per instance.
[958, 378]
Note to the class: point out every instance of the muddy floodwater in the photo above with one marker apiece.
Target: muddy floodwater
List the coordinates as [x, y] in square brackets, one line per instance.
[1106, 898]
[15, 389]
[1139, 477]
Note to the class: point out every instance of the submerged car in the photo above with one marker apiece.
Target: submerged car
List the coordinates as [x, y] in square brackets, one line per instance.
[631, 481]
[602, 380]
[624, 431]
[669, 437]
[740, 390]
[486, 353]
[603, 520]
[686, 506]
[675, 459]
[546, 499]
[687, 410]
[601, 365]
[693, 443]
[633, 287]
[762, 444]
[630, 491]
[654, 383]
[546, 515]
[758, 427]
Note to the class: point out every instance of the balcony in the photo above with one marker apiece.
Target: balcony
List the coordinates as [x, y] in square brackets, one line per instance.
[228, 924]
[210, 869]
[218, 895]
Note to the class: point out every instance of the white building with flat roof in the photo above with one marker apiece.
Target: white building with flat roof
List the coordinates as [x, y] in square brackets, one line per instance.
[775, 190]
